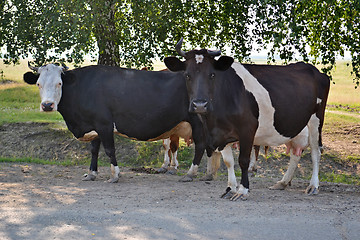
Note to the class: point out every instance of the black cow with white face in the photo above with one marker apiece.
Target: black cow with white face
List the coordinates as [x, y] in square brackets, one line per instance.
[96, 101]
[256, 105]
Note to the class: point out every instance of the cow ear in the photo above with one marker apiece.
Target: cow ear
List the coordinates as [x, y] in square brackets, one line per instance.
[223, 63]
[31, 78]
[174, 64]
[68, 78]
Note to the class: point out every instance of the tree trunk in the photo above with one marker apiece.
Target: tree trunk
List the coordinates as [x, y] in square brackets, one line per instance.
[105, 33]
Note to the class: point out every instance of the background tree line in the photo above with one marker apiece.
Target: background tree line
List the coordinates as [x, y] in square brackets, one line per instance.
[135, 32]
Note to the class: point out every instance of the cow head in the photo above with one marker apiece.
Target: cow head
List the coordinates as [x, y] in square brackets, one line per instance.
[48, 79]
[200, 71]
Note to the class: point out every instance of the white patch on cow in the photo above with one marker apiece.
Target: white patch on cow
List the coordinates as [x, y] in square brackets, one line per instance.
[296, 145]
[318, 100]
[266, 134]
[301, 141]
[288, 176]
[166, 143]
[193, 170]
[229, 162]
[174, 162]
[115, 171]
[243, 190]
[252, 164]
[50, 84]
[313, 126]
[199, 58]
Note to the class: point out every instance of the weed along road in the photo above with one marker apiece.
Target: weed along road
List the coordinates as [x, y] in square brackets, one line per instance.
[50, 202]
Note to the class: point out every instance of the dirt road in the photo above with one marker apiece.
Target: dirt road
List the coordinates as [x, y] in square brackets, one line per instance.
[50, 202]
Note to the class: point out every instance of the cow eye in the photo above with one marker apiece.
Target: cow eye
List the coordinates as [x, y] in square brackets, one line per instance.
[187, 77]
[212, 75]
[38, 85]
[59, 84]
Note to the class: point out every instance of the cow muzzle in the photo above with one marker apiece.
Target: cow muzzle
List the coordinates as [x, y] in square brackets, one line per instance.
[47, 106]
[199, 106]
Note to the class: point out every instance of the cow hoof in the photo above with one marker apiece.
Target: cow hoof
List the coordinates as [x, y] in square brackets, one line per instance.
[113, 180]
[186, 178]
[228, 193]
[312, 190]
[162, 170]
[278, 186]
[88, 177]
[238, 196]
[208, 177]
[171, 171]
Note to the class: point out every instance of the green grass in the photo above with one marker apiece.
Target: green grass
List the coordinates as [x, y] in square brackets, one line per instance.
[339, 178]
[22, 104]
[343, 91]
[39, 161]
[336, 119]
[66, 163]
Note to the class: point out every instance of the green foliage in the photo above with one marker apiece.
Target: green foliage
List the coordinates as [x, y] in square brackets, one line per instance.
[135, 32]
[328, 27]
[148, 153]
[185, 155]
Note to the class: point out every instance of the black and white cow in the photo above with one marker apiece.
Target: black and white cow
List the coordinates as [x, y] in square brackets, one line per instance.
[255, 105]
[96, 101]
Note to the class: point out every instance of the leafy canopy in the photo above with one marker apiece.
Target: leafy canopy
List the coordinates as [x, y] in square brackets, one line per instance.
[135, 32]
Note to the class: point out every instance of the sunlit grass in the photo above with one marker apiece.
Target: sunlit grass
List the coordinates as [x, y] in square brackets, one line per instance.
[334, 119]
[22, 104]
[343, 91]
[339, 178]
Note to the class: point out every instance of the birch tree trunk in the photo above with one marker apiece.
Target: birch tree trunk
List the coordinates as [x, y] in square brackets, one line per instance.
[105, 33]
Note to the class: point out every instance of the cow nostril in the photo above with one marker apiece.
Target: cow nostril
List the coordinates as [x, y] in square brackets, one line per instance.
[199, 106]
[47, 106]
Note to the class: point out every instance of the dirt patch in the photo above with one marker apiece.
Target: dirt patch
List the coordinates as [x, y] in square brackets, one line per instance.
[56, 143]
[51, 202]
[343, 140]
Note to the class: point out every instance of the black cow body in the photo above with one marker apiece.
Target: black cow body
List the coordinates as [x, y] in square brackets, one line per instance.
[256, 105]
[140, 105]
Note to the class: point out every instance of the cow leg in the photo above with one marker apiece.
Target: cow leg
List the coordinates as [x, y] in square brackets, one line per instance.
[229, 162]
[314, 135]
[285, 181]
[198, 136]
[189, 177]
[213, 164]
[253, 158]
[244, 162]
[174, 146]
[93, 171]
[107, 140]
[167, 156]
